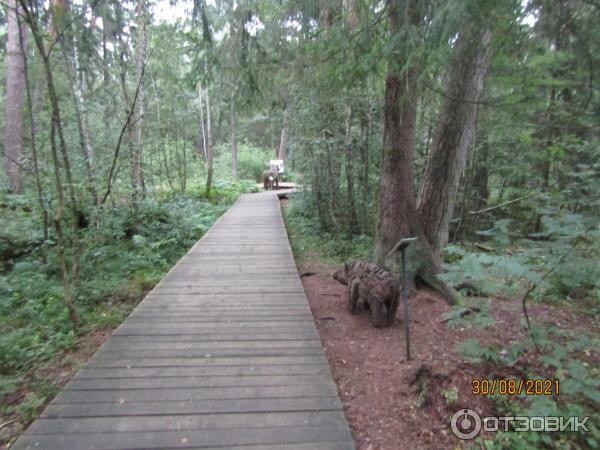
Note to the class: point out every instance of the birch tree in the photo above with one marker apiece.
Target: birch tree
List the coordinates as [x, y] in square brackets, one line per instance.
[15, 88]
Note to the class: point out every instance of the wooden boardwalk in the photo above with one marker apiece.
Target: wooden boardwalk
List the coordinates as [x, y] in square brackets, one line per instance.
[223, 353]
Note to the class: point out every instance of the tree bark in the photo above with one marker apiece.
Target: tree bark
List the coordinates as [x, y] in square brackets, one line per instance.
[140, 61]
[397, 216]
[34, 154]
[283, 142]
[55, 126]
[134, 130]
[15, 88]
[316, 188]
[333, 177]
[58, 18]
[453, 136]
[353, 225]
[397, 211]
[78, 86]
[234, 162]
[349, 7]
[104, 14]
[209, 149]
[366, 152]
[203, 126]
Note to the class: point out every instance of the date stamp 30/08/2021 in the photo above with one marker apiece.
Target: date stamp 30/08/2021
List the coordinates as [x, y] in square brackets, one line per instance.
[467, 423]
[514, 386]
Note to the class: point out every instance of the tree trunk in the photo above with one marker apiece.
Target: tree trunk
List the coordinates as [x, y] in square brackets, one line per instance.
[15, 87]
[104, 8]
[185, 166]
[366, 152]
[140, 61]
[233, 139]
[364, 185]
[60, 240]
[332, 179]
[454, 135]
[203, 127]
[397, 211]
[134, 130]
[34, 154]
[397, 216]
[316, 188]
[59, 15]
[556, 16]
[54, 127]
[209, 149]
[353, 226]
[283, 143]
[78, 87]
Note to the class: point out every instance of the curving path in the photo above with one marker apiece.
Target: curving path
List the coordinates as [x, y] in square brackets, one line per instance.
[222, 353]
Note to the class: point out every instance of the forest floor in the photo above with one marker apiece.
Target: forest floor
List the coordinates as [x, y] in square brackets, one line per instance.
[394, 404]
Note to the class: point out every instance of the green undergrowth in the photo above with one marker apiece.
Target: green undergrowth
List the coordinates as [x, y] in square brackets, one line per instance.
[563, 267]
[559, 268]
[123, 254]
[307, 238]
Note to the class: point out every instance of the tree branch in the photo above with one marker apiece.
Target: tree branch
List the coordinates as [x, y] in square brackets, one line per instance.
[126, 125]
[501, 205]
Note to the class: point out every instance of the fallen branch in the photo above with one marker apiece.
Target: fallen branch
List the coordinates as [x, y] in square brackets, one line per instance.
[532, 286]
[307, 273]
[501, 205]
[485, 248]
[462, 313]
[2, 425]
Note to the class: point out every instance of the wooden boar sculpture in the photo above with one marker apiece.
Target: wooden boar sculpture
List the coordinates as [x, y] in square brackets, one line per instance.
[372, 287]
[270, 178]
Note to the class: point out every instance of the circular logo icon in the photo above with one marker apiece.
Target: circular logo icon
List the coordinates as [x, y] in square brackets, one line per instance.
[466, 424]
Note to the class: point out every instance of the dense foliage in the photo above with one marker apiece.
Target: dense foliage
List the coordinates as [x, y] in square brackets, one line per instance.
[126, 135]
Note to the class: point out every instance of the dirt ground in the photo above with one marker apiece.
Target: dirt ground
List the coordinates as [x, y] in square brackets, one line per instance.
[395, 404]
[55, 375]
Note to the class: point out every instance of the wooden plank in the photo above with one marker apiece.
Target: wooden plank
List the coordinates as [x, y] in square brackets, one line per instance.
[207, 360]
[216, 297]
[216, 307]
[231, 292]
[206, 393]
[188, 438]
[290, 332]
[192, 407]
[300, 327]
[290, 369]
[78, 383]
[238, 335]
[337, 445]
[218, 326]
[184, 422]
[220, 319]
[210, 352]
[233, 314]
[119, 343]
